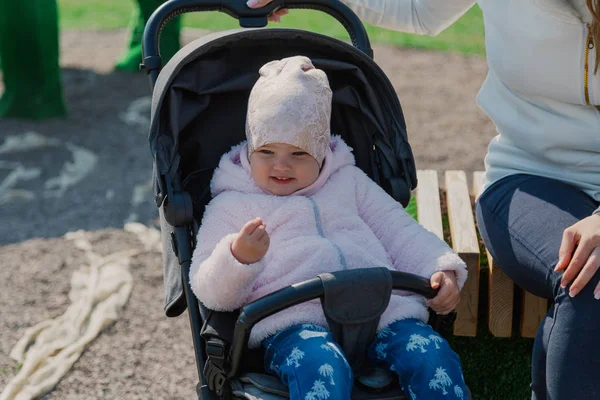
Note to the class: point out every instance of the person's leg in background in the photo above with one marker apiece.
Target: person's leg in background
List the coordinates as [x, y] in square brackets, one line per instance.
[521, 219]
[309, 362]
[169, 37]
[29, 48]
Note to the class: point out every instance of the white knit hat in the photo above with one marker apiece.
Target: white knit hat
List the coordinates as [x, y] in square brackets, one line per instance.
[290, 103]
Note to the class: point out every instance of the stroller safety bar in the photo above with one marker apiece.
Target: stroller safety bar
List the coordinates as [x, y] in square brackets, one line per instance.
[301, 292]
[248, 18]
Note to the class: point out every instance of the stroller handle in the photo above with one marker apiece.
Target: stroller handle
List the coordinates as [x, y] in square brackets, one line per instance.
[248, 18]
[298, 293]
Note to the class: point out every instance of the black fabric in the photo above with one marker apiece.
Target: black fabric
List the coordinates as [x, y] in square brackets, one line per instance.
[353, 302]
[247, 388]
[199, 108]
[221, 325]
[218, 324]
[174, 299]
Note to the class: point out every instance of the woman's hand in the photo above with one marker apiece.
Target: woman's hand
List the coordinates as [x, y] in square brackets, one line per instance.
[275, 16]
[579, 254]
[448, 296]
[251, 243]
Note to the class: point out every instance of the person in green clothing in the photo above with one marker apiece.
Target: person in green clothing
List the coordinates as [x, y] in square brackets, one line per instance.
[29, 51]
[169, 38]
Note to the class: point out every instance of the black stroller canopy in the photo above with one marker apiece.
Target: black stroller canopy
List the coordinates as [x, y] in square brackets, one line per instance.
[199, 111]
[200, 100]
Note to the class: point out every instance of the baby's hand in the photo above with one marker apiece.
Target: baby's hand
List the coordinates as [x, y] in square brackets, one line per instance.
[251, 243]
[448, 296]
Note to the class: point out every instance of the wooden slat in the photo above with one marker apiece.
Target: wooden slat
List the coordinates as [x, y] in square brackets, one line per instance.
[429, 212]
[532, 314]
[501, 287]
[464, 242]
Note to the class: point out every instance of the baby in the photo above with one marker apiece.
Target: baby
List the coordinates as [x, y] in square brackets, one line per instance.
[290, 204]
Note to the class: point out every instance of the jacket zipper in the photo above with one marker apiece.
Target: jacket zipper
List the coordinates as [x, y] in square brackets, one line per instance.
[322, 233]
[589, 45]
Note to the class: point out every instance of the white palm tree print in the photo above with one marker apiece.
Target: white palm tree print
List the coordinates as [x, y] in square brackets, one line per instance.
[274, 367]
[385, 332]
[442, 376]
[330, 347]
[417, 341]
[435, 385]
[421, 324]
[308, 334]
[380, 350]
[318, 391]
[326, 371]
[314, 327]
[440, 380]
[412, 394]
[295, 356]
[458, 392]
[436, 339]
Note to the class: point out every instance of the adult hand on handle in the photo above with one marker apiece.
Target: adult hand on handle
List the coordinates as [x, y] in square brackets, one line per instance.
[579, 254]
[275, 16]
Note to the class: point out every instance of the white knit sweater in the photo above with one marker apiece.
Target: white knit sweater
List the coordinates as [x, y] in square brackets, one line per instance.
[535, 90]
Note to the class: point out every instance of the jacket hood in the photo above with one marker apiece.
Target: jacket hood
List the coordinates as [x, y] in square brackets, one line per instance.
[233, 172]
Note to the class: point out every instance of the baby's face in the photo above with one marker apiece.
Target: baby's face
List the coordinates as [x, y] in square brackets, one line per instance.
[282, 169]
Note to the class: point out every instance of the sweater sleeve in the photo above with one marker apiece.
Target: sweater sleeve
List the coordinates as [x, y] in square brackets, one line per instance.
[596, 211]
[411, 247]
[424, 17]
[217, 278]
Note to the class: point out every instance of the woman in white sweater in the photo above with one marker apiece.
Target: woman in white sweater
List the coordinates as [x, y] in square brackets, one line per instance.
[539, 215]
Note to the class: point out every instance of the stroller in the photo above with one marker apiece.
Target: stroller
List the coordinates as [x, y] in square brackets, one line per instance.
[198, 113]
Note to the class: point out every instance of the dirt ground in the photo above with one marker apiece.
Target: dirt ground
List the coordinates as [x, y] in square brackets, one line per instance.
[144, 355]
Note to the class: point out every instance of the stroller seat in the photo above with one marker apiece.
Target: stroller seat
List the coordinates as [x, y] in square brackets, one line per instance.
[377, 384]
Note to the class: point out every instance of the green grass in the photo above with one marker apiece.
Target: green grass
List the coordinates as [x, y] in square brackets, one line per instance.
[466, 35]
[411, 208]
[494, 368]
[94, 14]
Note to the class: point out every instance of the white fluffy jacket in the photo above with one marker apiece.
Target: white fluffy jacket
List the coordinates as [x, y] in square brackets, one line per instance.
[342, 221]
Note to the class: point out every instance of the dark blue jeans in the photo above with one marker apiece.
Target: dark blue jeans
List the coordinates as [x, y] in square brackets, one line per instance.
[522, 219]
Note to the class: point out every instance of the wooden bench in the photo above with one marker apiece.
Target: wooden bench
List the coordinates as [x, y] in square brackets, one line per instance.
[456, 203]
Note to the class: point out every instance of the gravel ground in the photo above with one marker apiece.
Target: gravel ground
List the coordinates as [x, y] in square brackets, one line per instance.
[145, 355]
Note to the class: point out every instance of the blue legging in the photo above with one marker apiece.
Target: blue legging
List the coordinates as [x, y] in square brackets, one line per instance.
[312, 365]
[522, 219]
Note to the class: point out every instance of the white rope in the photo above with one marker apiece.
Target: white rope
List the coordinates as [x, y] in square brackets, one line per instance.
[99, 291]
